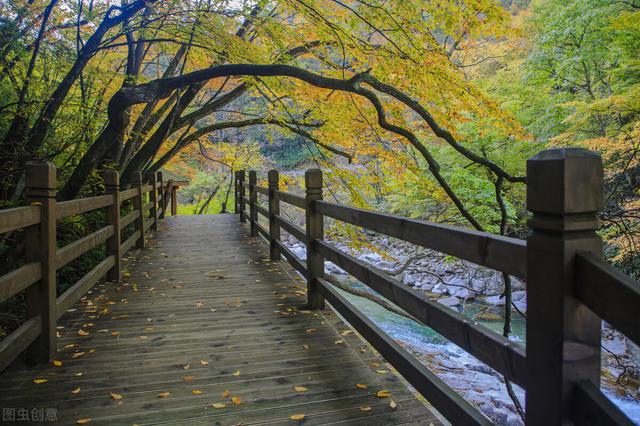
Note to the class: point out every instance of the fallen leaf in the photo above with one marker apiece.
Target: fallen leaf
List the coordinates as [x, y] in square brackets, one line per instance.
[393, 405]
[382, 371]
[297, 417]
[300, 389]
[346, 332]
[306, 347]
[237, 373]
[77, 355]
[218, 405]
[310, 330]
[203, 362]
[81, 332]
[39, 381]
[75, 391]
[383, 394]
[196, 392]
[225, 394]
[361, 386]
[236, 400]
[365, 408]
[116, 396]
[83, 421]
[186, 367]
[164, 394]
[188, 378]
[57, 363]
[339, 342]
[115, 333]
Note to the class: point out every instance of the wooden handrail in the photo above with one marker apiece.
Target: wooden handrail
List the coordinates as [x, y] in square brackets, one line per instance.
[561, 259]
[38, 334]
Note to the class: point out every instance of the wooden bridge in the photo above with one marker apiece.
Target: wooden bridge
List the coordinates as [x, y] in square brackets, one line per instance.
[204, 324]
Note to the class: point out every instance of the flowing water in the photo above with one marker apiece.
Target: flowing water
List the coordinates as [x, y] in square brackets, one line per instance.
[465, 374]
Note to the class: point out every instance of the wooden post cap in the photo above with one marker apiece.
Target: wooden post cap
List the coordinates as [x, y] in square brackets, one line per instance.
[565, 189]
[313, 179]
[273, 177]
[111, 179]
[253, 176]
[41, 175]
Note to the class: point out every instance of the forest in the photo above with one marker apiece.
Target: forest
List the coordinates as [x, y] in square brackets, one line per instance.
[426, 109]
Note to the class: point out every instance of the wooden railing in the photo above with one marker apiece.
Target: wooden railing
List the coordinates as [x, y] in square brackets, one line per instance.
[37, 335]
[571, 289]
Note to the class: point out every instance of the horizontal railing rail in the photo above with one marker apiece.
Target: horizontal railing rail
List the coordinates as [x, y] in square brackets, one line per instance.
[570, 288]
[37, 278]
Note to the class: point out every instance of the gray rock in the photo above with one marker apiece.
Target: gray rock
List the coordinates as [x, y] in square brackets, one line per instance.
[449, 301]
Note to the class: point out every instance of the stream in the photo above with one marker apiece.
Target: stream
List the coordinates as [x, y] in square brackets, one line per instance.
[478, 383]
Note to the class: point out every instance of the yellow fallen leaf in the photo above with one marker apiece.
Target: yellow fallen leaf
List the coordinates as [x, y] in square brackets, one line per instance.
[203, 362]
[218, 405]
[188, 378]
[39, 381]
[382, 371]
[77, 355]
[164, 394]
[339, 342]
[237, 373]
[300, 389]
[297, 417]
[57, 363]
[196, 392]
[83, 421]
[361, 386]
[306, 347]
[115, 333]
[81, 332]
[236, 400]
[310, 330]
[393, 405]
[116, 396]
[383, 394]
[75, 391]
[225, 394]
[346, 332]
[365, 408]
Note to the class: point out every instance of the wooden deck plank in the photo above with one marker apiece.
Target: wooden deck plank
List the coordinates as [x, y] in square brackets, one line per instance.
[202, 308]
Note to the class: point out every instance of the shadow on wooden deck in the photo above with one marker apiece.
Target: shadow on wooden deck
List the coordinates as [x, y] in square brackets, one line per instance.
[202, 318]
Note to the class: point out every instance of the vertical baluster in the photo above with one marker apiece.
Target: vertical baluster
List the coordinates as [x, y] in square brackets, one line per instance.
[40, 245]
[315, 231]
[242, 192]
[253, 200]
[112, 187]
[565, 194]
[138, 204]
[161, 202]
[153, 195]
[274, 210]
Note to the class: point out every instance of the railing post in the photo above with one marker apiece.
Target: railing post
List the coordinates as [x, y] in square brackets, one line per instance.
[274, 210]
[253, 200]
[174, 201]
[40, 245]
[161, 192]
[315, 231]
[565, 194]
[154, 199]
[241, 193]
[236, 192]
[166, 196]
[112, 187]
[138, 204]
